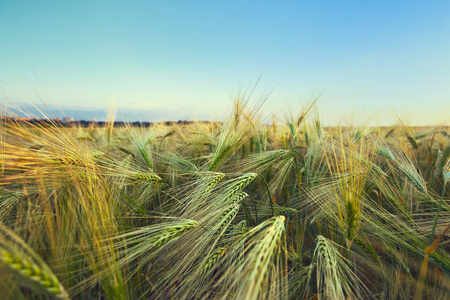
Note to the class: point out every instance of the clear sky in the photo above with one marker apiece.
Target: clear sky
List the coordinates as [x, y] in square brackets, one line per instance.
[378, 58]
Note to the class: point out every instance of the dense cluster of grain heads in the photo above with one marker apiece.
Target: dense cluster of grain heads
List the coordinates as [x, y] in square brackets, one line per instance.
[240, 209]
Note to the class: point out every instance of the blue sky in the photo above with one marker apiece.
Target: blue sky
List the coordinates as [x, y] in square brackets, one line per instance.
[377, 59]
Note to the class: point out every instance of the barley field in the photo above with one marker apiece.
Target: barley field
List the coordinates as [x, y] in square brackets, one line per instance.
[248, 208]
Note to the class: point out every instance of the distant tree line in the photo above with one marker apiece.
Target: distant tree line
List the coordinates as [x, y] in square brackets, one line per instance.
[84, 123]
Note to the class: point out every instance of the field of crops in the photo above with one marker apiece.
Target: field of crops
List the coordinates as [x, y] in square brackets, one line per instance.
[246, 209]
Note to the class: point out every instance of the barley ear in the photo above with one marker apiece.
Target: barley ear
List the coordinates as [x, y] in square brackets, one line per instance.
[212, 259]
[143, 176]
[32, 272]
